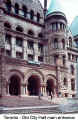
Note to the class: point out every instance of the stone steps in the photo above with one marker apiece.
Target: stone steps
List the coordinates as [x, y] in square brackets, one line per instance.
[13, 101]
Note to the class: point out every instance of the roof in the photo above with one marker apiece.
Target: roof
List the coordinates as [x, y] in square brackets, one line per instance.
[55, 6]
[74, 26]
[35, 5]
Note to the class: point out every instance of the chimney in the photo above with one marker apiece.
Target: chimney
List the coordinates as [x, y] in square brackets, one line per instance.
[45, 8]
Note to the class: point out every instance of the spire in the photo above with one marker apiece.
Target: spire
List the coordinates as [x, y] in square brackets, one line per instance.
[54, 7]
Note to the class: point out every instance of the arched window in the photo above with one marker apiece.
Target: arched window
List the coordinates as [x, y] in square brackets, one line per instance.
[64, 60]
[70, 42]
[72, 69]
[24, 10]
[40, 35]
[38, 17]
[30, 32]
[31, 14]
[8, 6]
[55, 43]
[7, 25]
[63, 43]
[19, 29]
[16, 8]
[72, 84]
[65, 82]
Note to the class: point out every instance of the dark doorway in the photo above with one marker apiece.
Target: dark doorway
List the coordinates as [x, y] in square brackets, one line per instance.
[14, 86]
[50, 87]
[33, 85]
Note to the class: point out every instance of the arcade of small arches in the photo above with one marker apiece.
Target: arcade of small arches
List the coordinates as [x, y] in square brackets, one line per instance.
[33, 85]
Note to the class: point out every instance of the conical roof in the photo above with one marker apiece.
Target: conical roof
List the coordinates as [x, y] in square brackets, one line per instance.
[74, 26]
[55, 6]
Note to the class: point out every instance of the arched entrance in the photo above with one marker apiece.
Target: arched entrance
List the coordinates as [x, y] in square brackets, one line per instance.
[14, 85]
[50, 86]
[34, 85]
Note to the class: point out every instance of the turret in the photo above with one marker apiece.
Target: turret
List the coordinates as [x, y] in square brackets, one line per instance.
[56, 23]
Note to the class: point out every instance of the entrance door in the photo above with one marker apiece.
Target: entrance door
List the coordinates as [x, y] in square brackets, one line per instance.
[33, 85]
[14, 86]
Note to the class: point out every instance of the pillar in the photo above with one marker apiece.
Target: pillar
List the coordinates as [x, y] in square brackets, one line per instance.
[26, 90]
[36, 52]
[25, 49]
[13, 45]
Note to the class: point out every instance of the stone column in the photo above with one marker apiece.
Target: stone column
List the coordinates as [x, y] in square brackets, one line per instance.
[26, 90]
[22, 90]
[36, 52]
[41, 90]
[25, 49]
[13, 44]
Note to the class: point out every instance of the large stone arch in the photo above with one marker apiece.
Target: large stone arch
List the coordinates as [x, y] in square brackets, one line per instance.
[50, 76]
[33, 80]
[33, 72]
[50, 82]
[19, 81]
[17, 73]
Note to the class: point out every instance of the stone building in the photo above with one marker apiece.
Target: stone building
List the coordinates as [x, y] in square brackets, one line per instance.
[37, 50]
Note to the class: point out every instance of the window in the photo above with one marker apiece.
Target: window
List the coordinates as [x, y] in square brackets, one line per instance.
[19, 41]
[30, 57]
[55, 43]
[30, 45]
[69, 56]
[54, 27]
[8, 6]
[16, 8]
[8, 39]
[8, 53]
[72, 69]
[64, 61]
[19, 28]
[40, 58]
[30, 32]
[66, 94]
[19, 55]
[31, 14]
[24, 10]
[40, 47]
[40, 35]
[55, 59]
[73, 57]
[70, 42]
[72, 84]
[7, 25]
[38, 17]
[63, 43]
[65, 81]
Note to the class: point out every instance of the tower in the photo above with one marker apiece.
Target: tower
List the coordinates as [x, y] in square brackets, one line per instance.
[56, 23]
[2, 52]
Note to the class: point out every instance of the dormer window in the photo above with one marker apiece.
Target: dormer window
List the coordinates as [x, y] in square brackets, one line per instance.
[38, 17]
[19, 29]
[16, 8]
[31, 14]
[8, 6]
[7, 25]
[24, 10]
[30, 32]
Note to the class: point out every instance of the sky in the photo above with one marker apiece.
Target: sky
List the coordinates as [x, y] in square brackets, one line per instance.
[70, 8]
